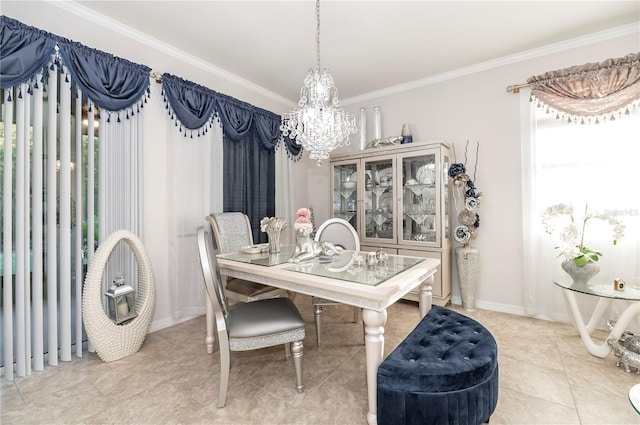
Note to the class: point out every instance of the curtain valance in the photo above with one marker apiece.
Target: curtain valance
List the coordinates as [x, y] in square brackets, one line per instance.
[268, 126]
[193, 107]
[115, 84]
[111, 83]
[590, 90]
[24, 51]
[236, 117]
[189, 104]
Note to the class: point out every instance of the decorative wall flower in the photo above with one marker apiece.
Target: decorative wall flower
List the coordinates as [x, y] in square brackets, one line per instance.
[466, 199]
[472, 203]
[572, 238]
[462, 234]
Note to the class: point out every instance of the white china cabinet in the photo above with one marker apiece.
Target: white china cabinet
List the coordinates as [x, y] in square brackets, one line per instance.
[397, 198]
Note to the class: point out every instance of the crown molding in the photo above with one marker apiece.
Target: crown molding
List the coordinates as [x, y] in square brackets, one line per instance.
[119, 28]
[617, 32]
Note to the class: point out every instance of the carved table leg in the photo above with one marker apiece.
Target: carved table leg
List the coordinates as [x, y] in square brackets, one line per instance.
[425, 295]
[374, 322]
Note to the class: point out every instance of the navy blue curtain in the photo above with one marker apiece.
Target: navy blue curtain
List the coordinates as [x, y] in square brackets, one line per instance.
[111, 83]
[250, 181]
[249, 165]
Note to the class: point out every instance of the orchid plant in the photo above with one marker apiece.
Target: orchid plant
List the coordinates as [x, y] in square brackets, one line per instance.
[572, 237]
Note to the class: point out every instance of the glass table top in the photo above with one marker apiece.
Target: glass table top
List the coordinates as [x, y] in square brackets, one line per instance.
[343, 267]
[634, 397]
[262, 259]
[600, 288]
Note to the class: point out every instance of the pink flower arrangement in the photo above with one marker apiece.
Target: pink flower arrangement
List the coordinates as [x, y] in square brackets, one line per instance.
[303, 219]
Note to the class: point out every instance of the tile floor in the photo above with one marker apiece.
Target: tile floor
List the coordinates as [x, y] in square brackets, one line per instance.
[546, 377]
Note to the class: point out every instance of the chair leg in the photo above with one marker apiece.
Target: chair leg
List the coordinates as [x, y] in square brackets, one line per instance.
[287, 351]
[210, 339]
[297, 361]
[224, 373]
[317, 311]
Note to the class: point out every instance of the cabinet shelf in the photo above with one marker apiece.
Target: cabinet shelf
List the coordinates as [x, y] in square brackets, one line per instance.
[345, 215]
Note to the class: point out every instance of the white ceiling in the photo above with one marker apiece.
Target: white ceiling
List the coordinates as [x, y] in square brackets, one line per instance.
[368, 45]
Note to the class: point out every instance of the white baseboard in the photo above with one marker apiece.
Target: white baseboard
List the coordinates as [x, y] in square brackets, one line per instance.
[169, 321]
[487, 305]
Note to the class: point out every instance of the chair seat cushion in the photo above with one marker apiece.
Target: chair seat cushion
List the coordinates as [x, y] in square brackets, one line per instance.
[263, 317]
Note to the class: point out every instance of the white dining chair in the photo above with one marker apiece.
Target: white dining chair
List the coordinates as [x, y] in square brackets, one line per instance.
[248, 326]
[231, 231]
[340, 233]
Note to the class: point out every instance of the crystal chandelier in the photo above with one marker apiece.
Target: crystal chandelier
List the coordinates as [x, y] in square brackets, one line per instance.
[319, 124]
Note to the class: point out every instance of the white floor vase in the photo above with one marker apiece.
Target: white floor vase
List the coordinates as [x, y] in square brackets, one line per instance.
[467, 262]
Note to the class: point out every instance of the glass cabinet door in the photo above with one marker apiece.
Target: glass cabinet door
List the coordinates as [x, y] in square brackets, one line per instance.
[345, 191]
[379, 200]
[421, 217]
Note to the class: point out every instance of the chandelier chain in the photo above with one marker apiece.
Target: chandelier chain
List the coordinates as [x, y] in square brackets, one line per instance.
[318, 31]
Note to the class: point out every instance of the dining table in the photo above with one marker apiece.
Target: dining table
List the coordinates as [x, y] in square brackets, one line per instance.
[345, 278]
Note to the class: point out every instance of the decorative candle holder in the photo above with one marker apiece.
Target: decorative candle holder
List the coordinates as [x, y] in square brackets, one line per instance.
[362, 137]
[377, 123]
[406, 134]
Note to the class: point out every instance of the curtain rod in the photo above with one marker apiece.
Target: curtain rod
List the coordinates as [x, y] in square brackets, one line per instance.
[516, 88]
[156, 76]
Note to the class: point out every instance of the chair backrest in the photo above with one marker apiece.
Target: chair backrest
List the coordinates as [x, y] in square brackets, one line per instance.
[211, 275]
[339, 232]
[232, 231]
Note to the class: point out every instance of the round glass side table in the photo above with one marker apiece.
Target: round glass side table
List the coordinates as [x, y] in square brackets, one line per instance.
[605, 293]
[634, 397]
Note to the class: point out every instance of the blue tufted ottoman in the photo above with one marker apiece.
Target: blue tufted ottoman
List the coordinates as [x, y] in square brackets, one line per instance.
[444, 372]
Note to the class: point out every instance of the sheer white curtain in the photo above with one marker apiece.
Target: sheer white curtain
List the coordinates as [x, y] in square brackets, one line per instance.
[121, 175]
[284, 189]
[578, 164]
[195, 182]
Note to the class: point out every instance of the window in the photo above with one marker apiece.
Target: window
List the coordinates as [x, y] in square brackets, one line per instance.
[29, 232]
[579, 164]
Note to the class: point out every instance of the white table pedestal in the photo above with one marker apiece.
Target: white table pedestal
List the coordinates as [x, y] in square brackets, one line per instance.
[604, 302]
